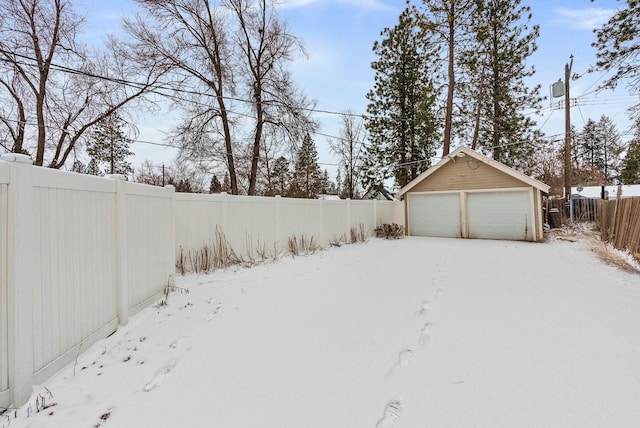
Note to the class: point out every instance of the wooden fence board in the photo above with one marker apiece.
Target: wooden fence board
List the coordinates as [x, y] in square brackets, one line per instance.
[620, 223]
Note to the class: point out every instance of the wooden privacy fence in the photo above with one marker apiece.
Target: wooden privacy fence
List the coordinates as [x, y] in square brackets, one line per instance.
[79, 254]
[586, 209]
[620, 224]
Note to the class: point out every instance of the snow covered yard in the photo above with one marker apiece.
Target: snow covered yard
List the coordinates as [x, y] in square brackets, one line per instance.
[419, 332]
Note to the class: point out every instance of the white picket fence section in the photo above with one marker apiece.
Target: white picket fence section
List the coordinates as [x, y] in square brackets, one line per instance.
[80, 254]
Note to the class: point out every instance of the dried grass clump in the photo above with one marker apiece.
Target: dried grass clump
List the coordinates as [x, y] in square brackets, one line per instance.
[390, 231]
[358, 234]
[303, 245]
[603, 250]
[214, 255]
[611, 256]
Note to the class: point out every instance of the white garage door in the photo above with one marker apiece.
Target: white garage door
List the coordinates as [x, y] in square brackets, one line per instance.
[435, 215]
[499, 215]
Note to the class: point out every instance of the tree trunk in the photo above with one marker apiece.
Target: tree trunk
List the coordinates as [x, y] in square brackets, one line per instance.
[452, 81]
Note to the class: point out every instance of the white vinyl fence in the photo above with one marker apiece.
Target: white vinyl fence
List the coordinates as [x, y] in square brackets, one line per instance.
[251, 224]
[80, 254]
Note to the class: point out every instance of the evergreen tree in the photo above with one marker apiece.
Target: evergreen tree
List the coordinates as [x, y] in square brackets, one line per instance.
[109, 145]
[79, 167]
[597, 151]
[631, 165]
[93, 168]
[447, 23]
[339, 186]
[618, 47]
[506, 40]
[402, 125]
[280, 176]
[215, 186]
[307, 176]
[588, 142]
[325, 183]
[610, 148]
[332, 190]
[226, 184]
[182, 185]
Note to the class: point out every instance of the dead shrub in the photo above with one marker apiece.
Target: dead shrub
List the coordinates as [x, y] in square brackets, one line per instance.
[358, 234]
[390, 231]
[303, 245]
[214, 255]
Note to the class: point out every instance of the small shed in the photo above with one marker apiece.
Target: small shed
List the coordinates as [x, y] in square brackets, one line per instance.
[468, 195]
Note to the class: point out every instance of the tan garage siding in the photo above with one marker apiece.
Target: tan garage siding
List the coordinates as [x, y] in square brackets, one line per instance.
[469, 174]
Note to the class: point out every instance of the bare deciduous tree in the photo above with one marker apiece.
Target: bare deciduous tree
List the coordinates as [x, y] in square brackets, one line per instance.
[191, 37]
[266, 45]
[228, 61]
[350, 147]
[51, 103]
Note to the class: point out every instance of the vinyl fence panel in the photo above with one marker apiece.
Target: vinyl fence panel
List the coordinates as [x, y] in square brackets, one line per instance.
[149, 242]
[4, 373]
[74, 286]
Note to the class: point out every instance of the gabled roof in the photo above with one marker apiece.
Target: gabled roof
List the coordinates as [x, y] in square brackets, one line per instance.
[464, 151]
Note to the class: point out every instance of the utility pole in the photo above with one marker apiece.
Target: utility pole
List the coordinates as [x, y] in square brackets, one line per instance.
[567, 137]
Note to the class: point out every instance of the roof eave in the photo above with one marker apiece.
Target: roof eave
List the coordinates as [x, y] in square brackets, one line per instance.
[468, 152]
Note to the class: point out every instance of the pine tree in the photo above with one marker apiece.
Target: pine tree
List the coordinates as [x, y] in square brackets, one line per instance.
[506, 40]
[339, 186]
[93, 168]
[588, 142]
[79, 167]
[325, 184]
[215, 186]
[610, 149]
[402, 125]
[109, 145]
[281, 176]
[307, 176]
[226, 184]
[631, 165]
[448, 24]
[618, 47]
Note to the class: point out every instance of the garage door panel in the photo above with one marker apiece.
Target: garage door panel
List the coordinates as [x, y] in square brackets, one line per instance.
[499, 215]
[435, 215]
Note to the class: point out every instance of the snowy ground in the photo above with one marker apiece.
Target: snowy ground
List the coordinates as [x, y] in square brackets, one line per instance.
[418, 332]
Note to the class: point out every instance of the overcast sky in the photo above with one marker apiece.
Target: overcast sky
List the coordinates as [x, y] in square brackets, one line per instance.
[339, 34]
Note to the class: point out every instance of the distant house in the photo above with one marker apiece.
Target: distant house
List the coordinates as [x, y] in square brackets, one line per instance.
[610, 192]
[328, 197]
[380, 193]
[467, 195]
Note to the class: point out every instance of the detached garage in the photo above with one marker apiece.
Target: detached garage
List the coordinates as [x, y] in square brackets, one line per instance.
[467, 195]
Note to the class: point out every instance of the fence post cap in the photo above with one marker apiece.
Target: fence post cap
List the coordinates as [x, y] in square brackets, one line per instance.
[17, 158]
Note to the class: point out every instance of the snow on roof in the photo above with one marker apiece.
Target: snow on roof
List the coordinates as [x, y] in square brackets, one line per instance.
[329, 197]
